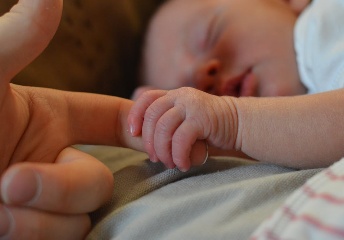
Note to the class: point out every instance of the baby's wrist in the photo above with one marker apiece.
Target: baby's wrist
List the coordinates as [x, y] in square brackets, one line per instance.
[230, 122]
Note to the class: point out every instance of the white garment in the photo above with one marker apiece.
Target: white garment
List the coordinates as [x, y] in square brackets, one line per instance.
[319, 44]
[314, 211]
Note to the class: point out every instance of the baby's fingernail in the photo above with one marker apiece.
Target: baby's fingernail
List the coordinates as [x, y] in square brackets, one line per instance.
[21, 186]
[153, 158]
[132, 130]
[171, 166]
[5, 221]
[183, 169]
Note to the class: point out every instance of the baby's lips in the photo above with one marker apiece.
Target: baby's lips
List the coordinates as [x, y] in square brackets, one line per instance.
[240, 85]
[249, 85]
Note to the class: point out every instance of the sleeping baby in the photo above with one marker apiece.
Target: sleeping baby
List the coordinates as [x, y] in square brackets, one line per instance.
[262, 77]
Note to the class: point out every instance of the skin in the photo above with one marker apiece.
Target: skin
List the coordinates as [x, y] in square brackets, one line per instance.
[296, 131]
[38, 126]
[299, 132]
[47, 188]
[212, 47]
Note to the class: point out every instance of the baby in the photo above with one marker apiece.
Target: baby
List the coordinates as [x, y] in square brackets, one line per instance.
[246, 49]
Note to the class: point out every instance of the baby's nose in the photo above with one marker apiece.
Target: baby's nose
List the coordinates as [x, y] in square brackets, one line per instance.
[207, 76]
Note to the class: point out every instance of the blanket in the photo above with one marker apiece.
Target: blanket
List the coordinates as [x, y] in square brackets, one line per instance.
[314, 211]
[227, 198]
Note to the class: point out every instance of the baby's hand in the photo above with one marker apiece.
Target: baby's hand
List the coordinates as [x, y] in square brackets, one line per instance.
[172, 121]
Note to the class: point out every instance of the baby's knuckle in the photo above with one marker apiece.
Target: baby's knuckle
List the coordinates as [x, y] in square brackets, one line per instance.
[178, 139]
[146, 96]
[162, 127]
[151, 113]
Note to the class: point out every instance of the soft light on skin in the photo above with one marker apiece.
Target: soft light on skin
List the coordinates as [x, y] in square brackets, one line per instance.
[295, 131]
[224, 47]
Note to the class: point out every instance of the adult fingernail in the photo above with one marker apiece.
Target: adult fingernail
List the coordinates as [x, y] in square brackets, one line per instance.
[5, 221]
[21, 186]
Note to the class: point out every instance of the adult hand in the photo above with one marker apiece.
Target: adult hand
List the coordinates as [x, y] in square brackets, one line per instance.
[47, 188]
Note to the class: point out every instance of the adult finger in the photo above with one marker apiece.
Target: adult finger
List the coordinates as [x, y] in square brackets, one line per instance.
[105, 121]
[25, 32]
[76, 183]
[25, 223]
[80, 118]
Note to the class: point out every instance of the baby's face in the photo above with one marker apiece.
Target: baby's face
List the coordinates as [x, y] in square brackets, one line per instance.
[224, 47]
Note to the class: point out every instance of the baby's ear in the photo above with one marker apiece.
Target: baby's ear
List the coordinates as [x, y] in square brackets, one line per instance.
[139, 90]
[298, 5]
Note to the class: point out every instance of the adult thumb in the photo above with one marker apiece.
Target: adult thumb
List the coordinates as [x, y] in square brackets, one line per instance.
[25, 32]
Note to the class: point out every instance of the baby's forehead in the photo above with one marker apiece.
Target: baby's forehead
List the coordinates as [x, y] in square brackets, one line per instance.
[175, 20]
[174, 6]
[173, 10]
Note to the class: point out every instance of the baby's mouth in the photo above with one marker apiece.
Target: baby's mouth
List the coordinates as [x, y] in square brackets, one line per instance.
[244, 85]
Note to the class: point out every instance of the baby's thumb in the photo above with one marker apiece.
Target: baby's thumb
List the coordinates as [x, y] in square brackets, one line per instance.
[25, 32]
[199, 153]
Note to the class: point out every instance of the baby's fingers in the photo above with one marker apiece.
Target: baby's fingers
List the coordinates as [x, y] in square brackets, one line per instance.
[25, 32]
[186, 150]
[163, 134]
[138, 110]
[183, 141]
[152, 116]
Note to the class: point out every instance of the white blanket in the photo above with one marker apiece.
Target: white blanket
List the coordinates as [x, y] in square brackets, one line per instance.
[315, 211]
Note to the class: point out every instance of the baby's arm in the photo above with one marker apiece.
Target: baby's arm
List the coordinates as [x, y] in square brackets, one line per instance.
[303, 131]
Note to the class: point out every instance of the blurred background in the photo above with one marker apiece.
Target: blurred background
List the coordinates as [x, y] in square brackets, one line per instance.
[96, 49]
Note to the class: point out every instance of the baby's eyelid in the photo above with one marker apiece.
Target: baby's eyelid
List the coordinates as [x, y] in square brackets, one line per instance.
[209, 33]
[212, 32]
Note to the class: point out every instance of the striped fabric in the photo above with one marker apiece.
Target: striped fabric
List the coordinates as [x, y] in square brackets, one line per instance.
[315, 211]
